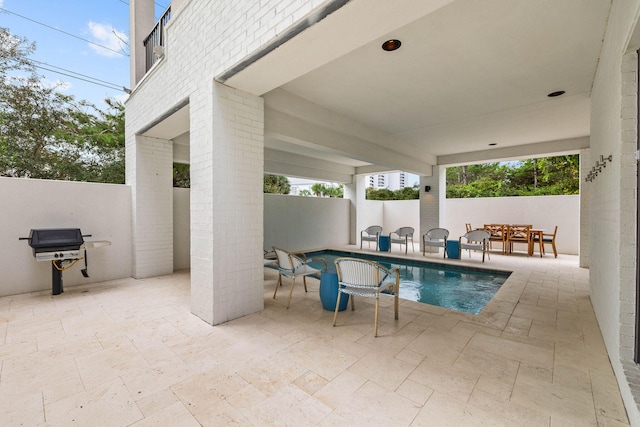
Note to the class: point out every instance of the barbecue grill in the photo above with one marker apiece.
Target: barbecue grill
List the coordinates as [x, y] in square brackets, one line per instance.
[63, 247]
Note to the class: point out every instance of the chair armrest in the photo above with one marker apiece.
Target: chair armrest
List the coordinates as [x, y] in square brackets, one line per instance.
[324, 261]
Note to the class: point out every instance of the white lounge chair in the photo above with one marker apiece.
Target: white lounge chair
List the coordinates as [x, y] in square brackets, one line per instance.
[360, 277]
[403, 236]
[370, 234]
[476, 240]
[293, 265]
[435, 238]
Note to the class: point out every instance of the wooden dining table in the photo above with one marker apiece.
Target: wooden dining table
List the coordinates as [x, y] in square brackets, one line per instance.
[534, 234]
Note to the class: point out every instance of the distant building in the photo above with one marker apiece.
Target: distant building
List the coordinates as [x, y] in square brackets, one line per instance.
[391, 181]
[299, 184]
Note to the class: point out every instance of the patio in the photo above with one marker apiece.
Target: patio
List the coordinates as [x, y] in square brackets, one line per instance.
[129, 352]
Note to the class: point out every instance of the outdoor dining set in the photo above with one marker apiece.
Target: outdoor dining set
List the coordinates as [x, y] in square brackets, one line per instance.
[477, 239]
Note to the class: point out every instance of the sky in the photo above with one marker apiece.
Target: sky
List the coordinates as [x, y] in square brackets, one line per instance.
[96, 22]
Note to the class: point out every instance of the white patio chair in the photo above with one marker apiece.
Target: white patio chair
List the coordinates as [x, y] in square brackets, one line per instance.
[292, 265]
[435, 238]
[360, 277]
[370, 234]
[476, 240]
[269, 259]
[403, 236]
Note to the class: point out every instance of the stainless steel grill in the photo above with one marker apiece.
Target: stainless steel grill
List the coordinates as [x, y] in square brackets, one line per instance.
[63, 247]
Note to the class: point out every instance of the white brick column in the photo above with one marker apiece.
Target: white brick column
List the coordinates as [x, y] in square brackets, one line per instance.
[350, 192]
[142, 13]
[152, 204]
[628, 170]
[430, 202]
[356, 192]
[227, 163]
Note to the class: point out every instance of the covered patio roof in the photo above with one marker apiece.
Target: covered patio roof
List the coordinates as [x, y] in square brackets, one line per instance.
[469, 82]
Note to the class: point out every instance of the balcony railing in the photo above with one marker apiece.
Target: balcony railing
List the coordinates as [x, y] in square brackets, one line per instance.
[155, 42]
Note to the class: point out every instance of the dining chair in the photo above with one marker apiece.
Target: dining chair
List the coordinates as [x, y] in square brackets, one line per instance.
[518, 233]
[550, 239]
[291, 265]
[364, 278]
[497, 234]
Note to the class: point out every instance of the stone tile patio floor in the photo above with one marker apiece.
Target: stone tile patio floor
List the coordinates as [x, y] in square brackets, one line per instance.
[130, 353]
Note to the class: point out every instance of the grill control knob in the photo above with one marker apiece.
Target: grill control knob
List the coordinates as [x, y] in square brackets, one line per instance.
[55, 255]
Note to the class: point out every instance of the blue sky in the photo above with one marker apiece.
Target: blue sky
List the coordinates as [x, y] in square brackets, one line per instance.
[104, 22]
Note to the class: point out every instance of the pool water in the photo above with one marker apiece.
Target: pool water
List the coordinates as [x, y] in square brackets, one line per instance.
[454, 287]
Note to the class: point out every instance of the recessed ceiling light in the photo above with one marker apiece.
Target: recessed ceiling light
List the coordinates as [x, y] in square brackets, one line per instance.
[556, 93]
[391, 45]
[493, 144]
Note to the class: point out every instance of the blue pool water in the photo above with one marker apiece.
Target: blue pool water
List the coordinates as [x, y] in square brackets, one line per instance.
[454, 287]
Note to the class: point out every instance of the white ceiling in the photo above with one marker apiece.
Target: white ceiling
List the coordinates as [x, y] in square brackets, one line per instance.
[469, 73]
[472, 73]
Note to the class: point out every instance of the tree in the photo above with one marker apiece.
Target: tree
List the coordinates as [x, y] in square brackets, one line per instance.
[530, 177]
[46, 134]
[181, 175]
[276, 184]
[406, 193]
[318, 189]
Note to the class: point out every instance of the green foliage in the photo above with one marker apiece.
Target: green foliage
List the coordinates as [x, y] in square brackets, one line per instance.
[46, 134]
[407, 193]
[276, 184]
[181, 175]
[322, 190]
[558, 175]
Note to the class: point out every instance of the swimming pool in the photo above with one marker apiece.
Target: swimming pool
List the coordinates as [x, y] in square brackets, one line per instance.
[454, 287]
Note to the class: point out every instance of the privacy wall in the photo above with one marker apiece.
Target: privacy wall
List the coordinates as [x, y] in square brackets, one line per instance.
[102, 210]
[298, 223]
[543, 212]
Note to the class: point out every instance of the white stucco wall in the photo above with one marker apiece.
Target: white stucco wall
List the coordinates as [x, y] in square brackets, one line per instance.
[543, 212]
[402, 213]
[102, 210]
[181, 228]
[298, 223]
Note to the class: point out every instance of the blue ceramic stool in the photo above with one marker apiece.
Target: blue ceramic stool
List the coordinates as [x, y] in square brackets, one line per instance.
[329, 291]
[453, 249]
[384, 243]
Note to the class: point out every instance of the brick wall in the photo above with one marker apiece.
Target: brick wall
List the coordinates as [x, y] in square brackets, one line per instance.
[205, 39]
[612, 199]
[429, 202]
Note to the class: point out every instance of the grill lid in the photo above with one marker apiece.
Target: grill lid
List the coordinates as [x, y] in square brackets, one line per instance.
[55, 239]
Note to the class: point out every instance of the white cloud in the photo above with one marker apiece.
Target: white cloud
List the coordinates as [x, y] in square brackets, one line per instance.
[106, 35]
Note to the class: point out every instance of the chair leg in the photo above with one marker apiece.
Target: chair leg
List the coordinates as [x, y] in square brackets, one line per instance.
[304, 280]
[396, 301]
[555, 252]
[335, 313]
[293, 282]
[375, 327]
[278, 284]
